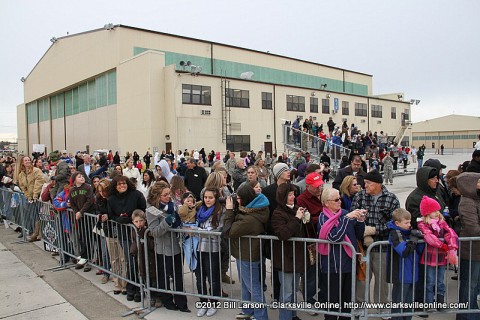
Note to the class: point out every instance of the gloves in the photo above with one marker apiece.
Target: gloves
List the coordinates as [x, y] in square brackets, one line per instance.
[170, 219]
[452, 257]
[370, 231]
[415, 235]
[444, 247]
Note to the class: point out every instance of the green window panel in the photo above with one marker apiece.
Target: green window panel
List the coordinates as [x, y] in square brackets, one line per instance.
[69, 103]
[112, 87]
[75, 101]
[43, 110]
[32, 112]
[263, 74]
[101, 89]
[92, 95]
[53, 107]
[82, 98]
[61, 105]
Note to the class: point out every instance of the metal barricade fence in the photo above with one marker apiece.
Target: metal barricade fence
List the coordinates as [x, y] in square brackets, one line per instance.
[19, 211]
[433, 292]
[184, 260]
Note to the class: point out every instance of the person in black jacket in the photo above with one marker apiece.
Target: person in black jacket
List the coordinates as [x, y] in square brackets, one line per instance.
[195, 178]
[122, 201]
[354, 169]
[101, 211]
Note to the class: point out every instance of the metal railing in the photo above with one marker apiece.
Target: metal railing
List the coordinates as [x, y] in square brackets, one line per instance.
[173, 276]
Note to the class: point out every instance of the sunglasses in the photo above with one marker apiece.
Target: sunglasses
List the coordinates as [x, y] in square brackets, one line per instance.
[335, 200]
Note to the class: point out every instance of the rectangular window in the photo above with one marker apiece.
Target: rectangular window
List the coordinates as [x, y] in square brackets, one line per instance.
[393, 113]
[376, 111]
[406, 114]
[326, 106]
[237, 143]
[112, 87]
[345, 108]
[360, 109]
[267, 100]
[101, 89]
[92, 95]
[295, 103]
[194, 94]
[313, 105]
[237, 98]
[82, 98]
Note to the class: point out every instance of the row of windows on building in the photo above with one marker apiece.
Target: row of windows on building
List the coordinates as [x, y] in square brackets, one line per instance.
[446, 137]
[196, 94]
[86, 96]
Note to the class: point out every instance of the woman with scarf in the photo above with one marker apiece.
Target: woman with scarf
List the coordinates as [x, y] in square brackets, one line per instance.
[161, 216]
[209, 218]
[337, 225]
[289, 258]
[248, 219]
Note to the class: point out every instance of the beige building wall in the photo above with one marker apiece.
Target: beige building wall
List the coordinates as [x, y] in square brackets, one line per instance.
[453, 131]
[140, 98]
[72, 59]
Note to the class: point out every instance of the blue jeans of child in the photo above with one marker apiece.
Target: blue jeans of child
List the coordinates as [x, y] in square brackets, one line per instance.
[402, 293]
[252, 288]
[435, 278]
[288, 287]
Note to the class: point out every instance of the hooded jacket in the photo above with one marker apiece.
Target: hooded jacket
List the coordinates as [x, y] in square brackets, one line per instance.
[166, 173]
[31, 183]
[469, 210]
[412, 204]
[403, 265]
[249, 221]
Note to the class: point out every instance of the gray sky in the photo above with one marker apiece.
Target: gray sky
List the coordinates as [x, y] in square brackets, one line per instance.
[429, 49]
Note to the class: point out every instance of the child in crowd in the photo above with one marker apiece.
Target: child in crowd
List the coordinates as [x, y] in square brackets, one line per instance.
[403, 272]
[373, 162]
[438, 252]
[139, 219]
[188, 210]
[209, 218]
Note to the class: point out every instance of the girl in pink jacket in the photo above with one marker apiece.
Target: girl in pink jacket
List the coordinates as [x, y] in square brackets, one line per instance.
[438, 252]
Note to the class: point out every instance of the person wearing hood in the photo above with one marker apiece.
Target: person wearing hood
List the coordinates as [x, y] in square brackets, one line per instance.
[427, 185]
[474, 165]
[166, 173]
[468, 184]
[289, 258]
[248, 219]
[442, 190]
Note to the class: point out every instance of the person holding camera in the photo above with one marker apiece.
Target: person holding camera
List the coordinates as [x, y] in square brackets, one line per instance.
[247, 219]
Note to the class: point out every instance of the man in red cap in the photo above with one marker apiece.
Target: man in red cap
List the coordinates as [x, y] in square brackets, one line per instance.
[310, 199]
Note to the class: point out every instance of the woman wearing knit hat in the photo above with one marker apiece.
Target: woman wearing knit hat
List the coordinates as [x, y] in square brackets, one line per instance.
[438, 253]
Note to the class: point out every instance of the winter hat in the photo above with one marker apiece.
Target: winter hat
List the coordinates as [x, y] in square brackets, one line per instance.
[278, 169]
[301, 170]
[428, 205]
[432, 173]
[374, 176]
[55, 156]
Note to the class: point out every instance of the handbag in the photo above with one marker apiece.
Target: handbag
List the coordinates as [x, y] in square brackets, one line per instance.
[361, 265]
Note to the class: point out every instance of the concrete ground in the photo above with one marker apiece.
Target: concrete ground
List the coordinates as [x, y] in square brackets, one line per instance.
[28, 291]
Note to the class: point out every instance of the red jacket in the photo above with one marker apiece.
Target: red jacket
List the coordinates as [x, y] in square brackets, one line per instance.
[432, 239]
[313, 205]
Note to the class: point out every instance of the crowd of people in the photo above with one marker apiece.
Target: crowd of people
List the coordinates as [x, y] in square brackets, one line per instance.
[252, 195]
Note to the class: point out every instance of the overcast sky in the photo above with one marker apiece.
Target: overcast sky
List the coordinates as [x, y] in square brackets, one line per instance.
[428, 49]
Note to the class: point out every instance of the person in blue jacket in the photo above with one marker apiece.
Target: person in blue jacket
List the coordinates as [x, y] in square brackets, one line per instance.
[405, 260]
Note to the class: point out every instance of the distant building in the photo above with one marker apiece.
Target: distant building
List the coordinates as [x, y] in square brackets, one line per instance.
[126, 89]
[453, 131]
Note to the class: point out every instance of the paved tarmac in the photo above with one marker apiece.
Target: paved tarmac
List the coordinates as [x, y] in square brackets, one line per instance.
[28, 291]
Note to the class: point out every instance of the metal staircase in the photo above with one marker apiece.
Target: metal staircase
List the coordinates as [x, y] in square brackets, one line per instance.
[295, 140]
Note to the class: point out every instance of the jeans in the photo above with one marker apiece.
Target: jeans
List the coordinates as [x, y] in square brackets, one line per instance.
[310, 287]
[420, 162]
[252, 288]
[288, 287]
[402, 293]
[208, 267]
[469, 287]
[435, 278]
